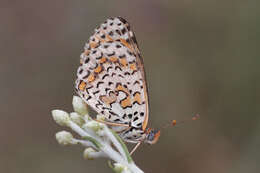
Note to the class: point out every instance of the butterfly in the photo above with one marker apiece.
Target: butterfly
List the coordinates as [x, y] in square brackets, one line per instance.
[111, 80]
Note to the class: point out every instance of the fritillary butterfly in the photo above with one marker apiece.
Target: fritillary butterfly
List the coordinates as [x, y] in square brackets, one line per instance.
[111, 80]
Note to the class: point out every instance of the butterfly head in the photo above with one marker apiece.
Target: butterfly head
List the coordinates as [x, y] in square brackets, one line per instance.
[152, 136]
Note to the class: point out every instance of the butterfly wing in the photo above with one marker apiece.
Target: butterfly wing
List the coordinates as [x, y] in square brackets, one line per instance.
[111, 77]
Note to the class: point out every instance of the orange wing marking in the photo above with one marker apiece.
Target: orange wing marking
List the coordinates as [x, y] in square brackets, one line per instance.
[98, 69]
[108, 99]
[137, 98]
[82, 86]
[121, 88]
[123, 62]
[113, 59]
[126, 102]
[103, 60]
[91, 78]
[133, 67]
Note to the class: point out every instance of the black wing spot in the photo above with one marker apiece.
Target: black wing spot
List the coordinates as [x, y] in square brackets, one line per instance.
[111, 33]
[110, 83]
[135, 119]
[118, 46]
[106, 46]
[142, 114]
[139, 124]
[118, 32]
[89, 97]
[106, 75]
[121, 76]
[111, 23]
[98, 104]
[117, 120]
[135, 71]
[80, 71]
[127, 73]
[96, 92]
[103, 36]
[135, 112]
[136, 82]
[88, 89]
[99, 83]
[113, 113]
[111, 54]
[110, 67]
[86, 60]
[94, 51]
[123, 31]
[117, 67]
[107, 89]
[130, 116]
[122, 56]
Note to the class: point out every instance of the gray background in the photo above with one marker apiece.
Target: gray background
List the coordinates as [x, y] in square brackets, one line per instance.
[200, 57]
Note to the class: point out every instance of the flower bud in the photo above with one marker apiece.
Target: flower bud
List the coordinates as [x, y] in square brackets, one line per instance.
[79, 105]
[94, 125]
[60, 117]
[89, 153]
[64, 138]
[76, 118]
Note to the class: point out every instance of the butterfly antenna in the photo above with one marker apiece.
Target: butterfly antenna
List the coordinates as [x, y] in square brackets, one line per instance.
[175, 122]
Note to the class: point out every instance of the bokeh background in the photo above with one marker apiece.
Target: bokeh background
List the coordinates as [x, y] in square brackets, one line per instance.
[200, 57]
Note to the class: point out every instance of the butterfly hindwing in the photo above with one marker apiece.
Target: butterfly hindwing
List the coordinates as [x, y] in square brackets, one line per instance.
[111, 77]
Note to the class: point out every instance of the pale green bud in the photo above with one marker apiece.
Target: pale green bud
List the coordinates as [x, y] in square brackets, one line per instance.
[94, 125]
[89, 153]
[60, 117]
[76, 118]
[79, 105]
[64, 138]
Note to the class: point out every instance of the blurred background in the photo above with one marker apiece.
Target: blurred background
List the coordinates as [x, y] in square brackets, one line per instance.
[200, 57]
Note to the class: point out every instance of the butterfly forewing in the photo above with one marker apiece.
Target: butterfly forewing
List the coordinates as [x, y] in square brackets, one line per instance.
[111, 77]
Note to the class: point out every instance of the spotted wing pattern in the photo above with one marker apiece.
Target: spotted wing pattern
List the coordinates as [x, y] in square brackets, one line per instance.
[111, 78]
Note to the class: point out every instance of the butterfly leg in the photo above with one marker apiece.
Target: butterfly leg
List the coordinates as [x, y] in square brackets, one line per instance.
[136, 146]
